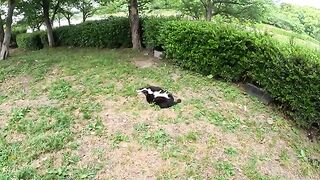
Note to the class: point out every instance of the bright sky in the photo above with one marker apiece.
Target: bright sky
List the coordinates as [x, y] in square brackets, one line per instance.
[313, 3]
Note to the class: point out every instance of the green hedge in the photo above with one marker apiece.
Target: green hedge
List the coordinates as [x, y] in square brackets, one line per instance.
[113, 32]
[15, 32]
[30, 41]
[151, 27]
[291, 76]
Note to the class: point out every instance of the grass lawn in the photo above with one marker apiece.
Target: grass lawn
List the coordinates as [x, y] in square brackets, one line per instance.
[285, 36]
[74, 113]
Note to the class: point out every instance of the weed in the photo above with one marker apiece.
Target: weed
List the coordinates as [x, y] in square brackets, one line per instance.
[284, 157]
[27, 173]
[60, 90]
[225, 169]
[141, 127]
[19, 114]
[117, 138]
[47, 143]
[96, 126]
[230, 151]
[190, 137]
[89, 108]
[250, 170]
[3, 99]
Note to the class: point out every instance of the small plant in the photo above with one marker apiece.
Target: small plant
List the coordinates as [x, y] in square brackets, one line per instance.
[141, 127]
[117, 138]
[88, 108]
[226, 169]
[96, 126]
[18, 115]
[60, 90]
[191, 136]
[157, 138]
[284, 157]
[27, 173]
[230, 151]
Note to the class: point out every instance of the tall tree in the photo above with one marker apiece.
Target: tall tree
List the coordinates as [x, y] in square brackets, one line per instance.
[1, 32]
[135, 24]
[192, 8]
[238, 8]
[32, 14]
[66, 10]
[2, 14]
[7, 37]
[46, 16]
[86, 8]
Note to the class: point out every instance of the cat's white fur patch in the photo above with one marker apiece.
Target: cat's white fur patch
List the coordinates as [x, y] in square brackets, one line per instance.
[161, 94]
[145, 89]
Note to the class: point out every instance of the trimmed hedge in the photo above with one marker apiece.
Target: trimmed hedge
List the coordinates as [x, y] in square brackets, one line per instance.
[291, 76]
[30, 41]
[113, 32]
[15, 32]
[151, 27]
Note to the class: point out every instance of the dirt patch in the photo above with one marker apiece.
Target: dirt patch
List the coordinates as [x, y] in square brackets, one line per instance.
[14, 137]
[175, 76]
[89, 147]
[22, 83]
[273, 168]
[119, 122]
[55, 157]
[23, 103]
[131, 161]
[145, 62]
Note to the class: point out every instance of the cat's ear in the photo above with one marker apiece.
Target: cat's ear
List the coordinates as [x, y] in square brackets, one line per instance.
[142, 90]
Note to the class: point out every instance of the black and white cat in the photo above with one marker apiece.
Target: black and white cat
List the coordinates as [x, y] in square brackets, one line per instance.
[158, 96]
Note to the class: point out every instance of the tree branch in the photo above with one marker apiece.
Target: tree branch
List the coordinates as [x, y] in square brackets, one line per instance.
[230, 2]
[56, 8]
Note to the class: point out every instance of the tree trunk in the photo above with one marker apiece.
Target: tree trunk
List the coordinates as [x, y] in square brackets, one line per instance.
[1, 32]
[209, 10]
[46, 6]
[69, 21]
[84, 16]
[134, 22]
[7, 37]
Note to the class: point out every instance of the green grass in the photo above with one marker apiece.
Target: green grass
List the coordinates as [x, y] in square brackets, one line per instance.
[74, 114]
[290, 37]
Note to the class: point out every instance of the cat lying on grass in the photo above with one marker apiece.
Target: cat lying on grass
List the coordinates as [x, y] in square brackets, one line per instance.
[158, 96]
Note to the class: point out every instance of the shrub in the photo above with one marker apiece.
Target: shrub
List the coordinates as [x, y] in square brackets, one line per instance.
[113, 32]
[30, 41]
[65, 36]
[15, 32]
[44, 38]
[226, 51]
[220, 50]
[151, 28]
[293, 78]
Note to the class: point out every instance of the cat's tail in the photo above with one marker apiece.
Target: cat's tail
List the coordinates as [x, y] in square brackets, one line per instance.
[177, 101]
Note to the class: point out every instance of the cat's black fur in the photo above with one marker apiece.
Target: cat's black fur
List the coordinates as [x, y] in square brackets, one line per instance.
[162, 102]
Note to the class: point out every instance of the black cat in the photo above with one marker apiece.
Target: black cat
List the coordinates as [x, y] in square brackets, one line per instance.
[158, 96]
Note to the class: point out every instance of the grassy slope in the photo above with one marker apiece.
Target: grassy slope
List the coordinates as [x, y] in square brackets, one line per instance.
[74, 113]
[284, 36]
